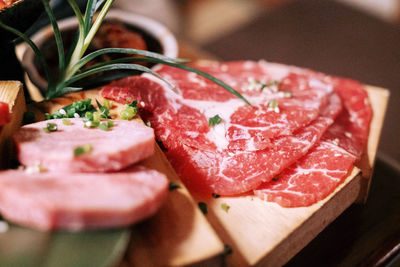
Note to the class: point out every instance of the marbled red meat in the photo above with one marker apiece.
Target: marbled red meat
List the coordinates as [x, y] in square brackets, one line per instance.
[318, 173]
[253, 143]
[244, 127]
[228, 173]
[125, 143]
[77, 201]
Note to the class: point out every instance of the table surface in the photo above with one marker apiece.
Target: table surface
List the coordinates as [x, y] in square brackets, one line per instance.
[333, 38]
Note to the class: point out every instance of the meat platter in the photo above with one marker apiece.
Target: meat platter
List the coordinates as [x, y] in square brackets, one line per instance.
[257, 232]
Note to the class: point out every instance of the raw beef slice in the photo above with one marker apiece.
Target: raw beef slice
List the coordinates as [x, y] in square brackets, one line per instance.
[125, 143]
[318, 173]
[77, 201]
[300, 94]
[252, 144]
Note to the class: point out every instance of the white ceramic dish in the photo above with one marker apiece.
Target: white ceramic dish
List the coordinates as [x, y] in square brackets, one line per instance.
[156, 30]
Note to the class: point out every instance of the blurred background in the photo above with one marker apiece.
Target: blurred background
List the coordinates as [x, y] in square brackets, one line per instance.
[203, 21]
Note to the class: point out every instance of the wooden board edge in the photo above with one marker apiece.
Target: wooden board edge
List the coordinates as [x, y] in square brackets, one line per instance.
[379, 98]
[334, 205]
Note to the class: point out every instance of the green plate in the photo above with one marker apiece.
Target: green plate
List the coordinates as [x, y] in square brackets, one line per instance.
[25, 247]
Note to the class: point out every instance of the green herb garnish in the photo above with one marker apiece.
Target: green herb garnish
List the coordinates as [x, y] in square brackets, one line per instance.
[66, 121]
[273, 104]
[106, 125]
[76, 110]
[129, 111]
[203, 207]
[51, 127]
[214, 120]
[82, 149]
[108, 103]
[214, 195]
[148, 124]
[71, 68]
[225, 207]
[173, 186]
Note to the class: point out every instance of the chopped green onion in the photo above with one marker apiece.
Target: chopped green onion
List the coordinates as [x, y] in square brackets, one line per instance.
[77, 107]
[225, 207]
[203, 207]
[214, 120]
[215, 195]
[272, 104]
[132, 104]
[108, 103]
[128, 113]
[96, 116]
[110, 123]
[105, 112]
[66, 121]
[148, 124]
[83, 149]
[104, 126]
[51, 127]
[173, 186]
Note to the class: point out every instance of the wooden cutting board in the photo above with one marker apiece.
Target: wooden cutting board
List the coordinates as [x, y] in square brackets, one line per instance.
[258, 232]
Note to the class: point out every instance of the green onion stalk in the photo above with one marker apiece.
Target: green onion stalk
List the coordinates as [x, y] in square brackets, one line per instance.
[71, 67]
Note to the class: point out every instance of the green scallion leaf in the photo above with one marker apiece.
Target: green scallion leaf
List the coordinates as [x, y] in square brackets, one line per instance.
[173, 186]
[225, 207]
[66, 121]
[132, 104]
[110, 123]
[272, 104]
[214, 120]
[51, 127]
[80, 150]
[128, 112]
[108, 103]
[203, 207]
[104, 126]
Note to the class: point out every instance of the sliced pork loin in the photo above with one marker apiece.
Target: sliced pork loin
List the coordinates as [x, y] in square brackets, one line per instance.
[73, 201]
[125, 143]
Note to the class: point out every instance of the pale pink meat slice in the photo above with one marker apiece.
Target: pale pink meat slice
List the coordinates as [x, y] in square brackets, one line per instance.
[77, 201]
[125, 143]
